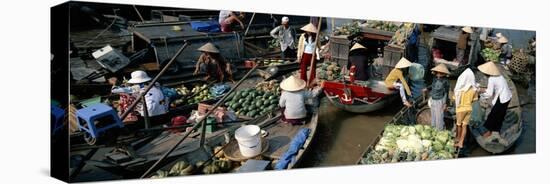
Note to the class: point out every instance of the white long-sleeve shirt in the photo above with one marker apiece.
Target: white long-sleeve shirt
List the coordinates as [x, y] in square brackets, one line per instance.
[157, 104]
[295, 102]
[497, 87]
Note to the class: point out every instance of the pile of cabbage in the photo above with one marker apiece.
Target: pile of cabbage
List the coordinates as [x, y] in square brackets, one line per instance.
[401, 143]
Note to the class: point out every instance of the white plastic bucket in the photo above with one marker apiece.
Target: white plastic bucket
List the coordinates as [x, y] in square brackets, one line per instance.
[248, 138]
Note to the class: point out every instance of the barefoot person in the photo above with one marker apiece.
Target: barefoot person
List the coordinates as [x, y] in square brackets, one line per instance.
[464, 94]
[498, 90]
[307, 50]
[213, 64]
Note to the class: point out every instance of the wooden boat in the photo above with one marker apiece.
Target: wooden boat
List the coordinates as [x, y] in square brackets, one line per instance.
[512, 125]
[359, 98]
[279, 136]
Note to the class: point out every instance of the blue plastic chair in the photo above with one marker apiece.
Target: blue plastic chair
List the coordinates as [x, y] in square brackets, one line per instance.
[57, 115]
[94, 112]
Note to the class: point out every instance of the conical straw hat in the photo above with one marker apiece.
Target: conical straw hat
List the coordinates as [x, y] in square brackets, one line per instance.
[293, 83]
[441, 68]
[357, 46]
[209, 47]
[502, 40]
[403, 63]
[468, 29]
[489, 68]
[309, 28]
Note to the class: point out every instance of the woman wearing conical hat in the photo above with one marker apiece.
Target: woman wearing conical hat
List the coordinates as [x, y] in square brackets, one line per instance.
[357, 62]
[293, 99]
[396, 80]
[505, 50]
[213, 64]
[439, 95]
[307, 49]
[498, 90]
[157, 102]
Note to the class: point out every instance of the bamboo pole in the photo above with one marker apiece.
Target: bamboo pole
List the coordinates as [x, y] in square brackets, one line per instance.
[313, 63]
[152, 83]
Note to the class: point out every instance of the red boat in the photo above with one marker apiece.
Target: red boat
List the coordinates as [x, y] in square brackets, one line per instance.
[359, 97]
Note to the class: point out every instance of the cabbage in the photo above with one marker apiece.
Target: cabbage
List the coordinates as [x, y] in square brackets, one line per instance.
[436, 146]
[426, 143]
[426, 134]
[442, 137]
[419, 128]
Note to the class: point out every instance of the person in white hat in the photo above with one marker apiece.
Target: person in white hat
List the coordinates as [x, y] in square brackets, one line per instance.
[462, 43]
[213, 64]
[439, 95]
[396, 80]
[226, 18]
[358, 62]
[156, 102]
[498, 90]
[293, 99]
[287, 38]
[505, 50]
[307, 49]
[465, 93]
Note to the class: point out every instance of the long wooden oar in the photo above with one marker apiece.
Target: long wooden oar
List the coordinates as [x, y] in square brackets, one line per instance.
[152, 83]
[202, 122]
[314, 55]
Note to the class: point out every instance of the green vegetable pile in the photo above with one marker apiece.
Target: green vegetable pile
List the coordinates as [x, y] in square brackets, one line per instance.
[329, 71]
[252, 103]
[401, 143]
[490, 54]
[348, 29]
[184, 92]
[383, 25]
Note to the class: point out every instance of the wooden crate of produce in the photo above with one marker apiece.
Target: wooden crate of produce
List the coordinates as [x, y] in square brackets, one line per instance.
[339, 49]
[392, 55]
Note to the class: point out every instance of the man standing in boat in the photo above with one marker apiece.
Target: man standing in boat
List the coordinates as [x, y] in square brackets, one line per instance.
[286, 36]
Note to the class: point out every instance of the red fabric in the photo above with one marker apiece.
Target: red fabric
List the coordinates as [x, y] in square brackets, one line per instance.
[304, 64]
[125, 101]
[226, 27]
[178, 121]
[437, 54]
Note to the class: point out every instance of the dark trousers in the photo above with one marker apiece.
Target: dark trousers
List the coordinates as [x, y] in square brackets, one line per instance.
[304, 64]
[496, 116]
[288, 53]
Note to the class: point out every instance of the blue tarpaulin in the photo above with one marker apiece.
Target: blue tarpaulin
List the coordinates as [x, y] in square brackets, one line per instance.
[206, 26]
[295, 145]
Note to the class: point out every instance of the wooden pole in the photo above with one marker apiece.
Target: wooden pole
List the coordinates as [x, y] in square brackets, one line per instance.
[249, 23]
[133, 105]
[139, 14]
[314, 55]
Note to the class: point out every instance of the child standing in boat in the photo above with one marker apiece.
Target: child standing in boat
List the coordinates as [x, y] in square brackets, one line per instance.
[439, 95]
[464, 94]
